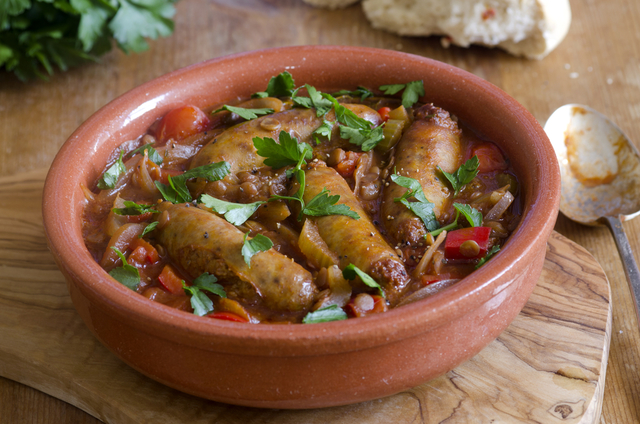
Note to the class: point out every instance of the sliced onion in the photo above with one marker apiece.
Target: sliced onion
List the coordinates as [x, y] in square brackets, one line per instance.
[122, 240]
[428, 255]
[339, 291]
[362, 168]
[499, 208]
[114, 221]
[314, 247]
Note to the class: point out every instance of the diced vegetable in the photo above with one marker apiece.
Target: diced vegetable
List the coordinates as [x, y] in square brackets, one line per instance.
[170, 280]
[314, 247]
[490, 157]
[384, 113]
[366, 304]
[348, 164]
[400, 114]
[182, 122]
[392, 132]
[227, 316]
[467, 243]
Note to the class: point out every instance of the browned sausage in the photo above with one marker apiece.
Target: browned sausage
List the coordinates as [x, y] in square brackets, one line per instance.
[200, 241]
[355, 241]
[432, 140]
[235, 145]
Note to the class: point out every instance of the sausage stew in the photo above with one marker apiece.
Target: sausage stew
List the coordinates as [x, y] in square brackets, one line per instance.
[299, 206]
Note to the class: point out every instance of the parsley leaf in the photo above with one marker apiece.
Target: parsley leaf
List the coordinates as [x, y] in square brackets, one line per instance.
[110, 177]
[315, 100]
[423, 208]
[322, 204]
[464, 175]
[495, 249]
[361, 92]
[200, 302]
[133, 208]
[352, 271]
[287, 152]
[323, 130]
[127, 275]
[245, 113]
[152, 226]
[234, 213]
[355, 129]
[259, 243]
[137, 20]
[326, 314]
[279, 86]
[177, 191]
[474, 216]
[153, 155]
[412, 91]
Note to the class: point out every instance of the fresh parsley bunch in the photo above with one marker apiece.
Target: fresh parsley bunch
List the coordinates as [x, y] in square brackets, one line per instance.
[38, 35]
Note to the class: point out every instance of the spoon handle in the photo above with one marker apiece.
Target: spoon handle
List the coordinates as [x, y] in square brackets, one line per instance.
[629, 262]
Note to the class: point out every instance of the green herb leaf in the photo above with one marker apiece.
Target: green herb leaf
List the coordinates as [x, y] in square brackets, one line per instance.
[464, 175]
[133, 208]
[260, 95]
[153, 155]
[412, 91]
[138, 20]
[152, 226]
[245, 113]
[495, 249]
[287, 152]
[323, 130]
[448, 227]
[361, 92]
[423, 208]
[315, 100]
[177, 191]
[281, 85]
[473, 215]
[322, 204]
[206, 282]
[351, 271]
[355, 129]
[234, 213]
[326, 314]
[110, 177]
[259, 243]
[127, 275]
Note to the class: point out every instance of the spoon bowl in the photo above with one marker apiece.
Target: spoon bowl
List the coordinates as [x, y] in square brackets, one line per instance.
[600, 176]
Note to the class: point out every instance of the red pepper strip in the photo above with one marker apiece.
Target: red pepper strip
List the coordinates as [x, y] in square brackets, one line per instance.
[455, 239]
[227, 316]
[170, 280]
[384, 113]
[151, 254]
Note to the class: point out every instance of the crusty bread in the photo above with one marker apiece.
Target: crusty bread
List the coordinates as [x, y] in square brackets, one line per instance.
[530, 28]
[331, 4]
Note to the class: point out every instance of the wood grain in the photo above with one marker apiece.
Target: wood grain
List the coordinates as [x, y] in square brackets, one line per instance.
[547, 367]
[597, 64]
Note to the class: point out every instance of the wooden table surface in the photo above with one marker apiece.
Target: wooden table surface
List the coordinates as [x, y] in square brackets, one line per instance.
[598, 64]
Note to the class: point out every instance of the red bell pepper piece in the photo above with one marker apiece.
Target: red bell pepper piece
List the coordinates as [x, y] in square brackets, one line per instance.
[170, 280]
[384, 113]
[453, 245]
[227, 316]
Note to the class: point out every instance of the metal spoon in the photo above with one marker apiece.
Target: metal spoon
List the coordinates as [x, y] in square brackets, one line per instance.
[600, 172]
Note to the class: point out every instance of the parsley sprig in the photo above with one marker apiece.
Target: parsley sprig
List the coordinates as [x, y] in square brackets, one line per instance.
[177, 191]
[412, 91]
[38, 35]
[133, 208]
[495, 249]
[152, 154]
[234, 213]
[110, 177]
[127, 275]
[281, 85]
[422, 207]
[355, 129]
[464, 175]
[245, 113]
[322, 204]
[361, 92]
[326, 314]
[255, 245]
[352, 271]
[288, 152]
[315, 100]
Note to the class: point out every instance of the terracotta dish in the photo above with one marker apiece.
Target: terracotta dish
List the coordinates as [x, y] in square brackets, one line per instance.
[312, 365]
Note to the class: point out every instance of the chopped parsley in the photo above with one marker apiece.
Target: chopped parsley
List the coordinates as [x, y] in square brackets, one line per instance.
[352, 271]
[361, 92]
[464, 175]
[281, 85]
[288, 152]
[110, 177]
[152, 154]
[133, 208]
[326, 314]
[423, 208]
[473, 215]
[177, 191]
[495, 249]
[234, 213]
[355, 129]
[127, 275]
[323, 130]
[412, 91]
[251, 247]
[152, 226]
[245, 113]
[315, 100]
[200, 302]
[322, 204]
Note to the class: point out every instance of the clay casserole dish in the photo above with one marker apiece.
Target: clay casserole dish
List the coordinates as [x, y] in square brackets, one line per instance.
[313, 365]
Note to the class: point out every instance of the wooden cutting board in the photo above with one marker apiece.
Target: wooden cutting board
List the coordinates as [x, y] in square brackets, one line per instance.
[547, 367]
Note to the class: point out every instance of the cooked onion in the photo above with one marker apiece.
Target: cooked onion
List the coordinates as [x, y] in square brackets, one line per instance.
[426, 258]
[121, 240]
[339, 291]
[498, 209]
[314, 247]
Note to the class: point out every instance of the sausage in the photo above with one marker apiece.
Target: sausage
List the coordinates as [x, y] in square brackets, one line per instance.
[235, 145]
[432, 140]
[201, 241]
[355, 241]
